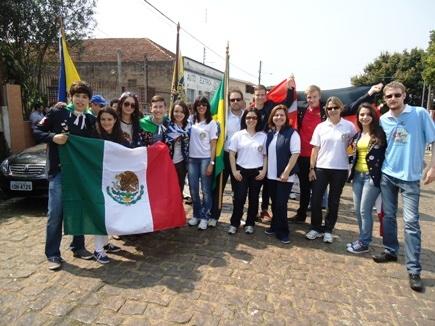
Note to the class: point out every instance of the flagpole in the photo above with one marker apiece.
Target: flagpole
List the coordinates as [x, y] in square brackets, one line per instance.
[174, 92]
[226, 87]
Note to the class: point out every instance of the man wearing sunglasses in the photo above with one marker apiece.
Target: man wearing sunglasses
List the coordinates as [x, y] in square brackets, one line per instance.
[408, 130]
[237, 105]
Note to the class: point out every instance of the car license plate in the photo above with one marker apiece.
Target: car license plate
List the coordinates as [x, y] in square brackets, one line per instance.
[21, 185]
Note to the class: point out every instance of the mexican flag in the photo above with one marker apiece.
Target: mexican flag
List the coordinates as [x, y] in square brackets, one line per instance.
[111, 189]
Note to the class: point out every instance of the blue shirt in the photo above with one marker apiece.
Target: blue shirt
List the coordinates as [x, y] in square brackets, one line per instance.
[407, 136]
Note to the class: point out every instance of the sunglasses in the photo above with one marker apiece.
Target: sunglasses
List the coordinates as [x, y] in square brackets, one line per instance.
[251, 118]
[396, 95]
[235, 99]
[127, 104]
[333, 108]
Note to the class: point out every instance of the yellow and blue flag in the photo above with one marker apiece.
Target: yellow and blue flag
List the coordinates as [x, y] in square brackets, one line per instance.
[67, 71]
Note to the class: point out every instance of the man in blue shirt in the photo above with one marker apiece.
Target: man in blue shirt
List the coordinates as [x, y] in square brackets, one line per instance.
[408, 130]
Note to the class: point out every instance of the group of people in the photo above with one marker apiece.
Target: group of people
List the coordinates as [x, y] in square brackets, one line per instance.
[263, 152]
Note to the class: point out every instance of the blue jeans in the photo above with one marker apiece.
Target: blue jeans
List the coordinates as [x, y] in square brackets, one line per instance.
[197, 169]
[55, 219]
[410, 191]
[364, 198]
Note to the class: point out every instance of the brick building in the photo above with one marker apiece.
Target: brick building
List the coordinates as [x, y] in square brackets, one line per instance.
[114, 65]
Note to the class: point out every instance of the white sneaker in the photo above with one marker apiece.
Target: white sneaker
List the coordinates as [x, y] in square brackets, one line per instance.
[313, 234]
[193, 221]
[203, 224]
[249, 229]
[232, 229]
[327, 238]
[212, 222]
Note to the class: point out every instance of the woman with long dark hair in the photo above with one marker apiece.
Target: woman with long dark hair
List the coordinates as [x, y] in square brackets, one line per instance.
[283, 146]
[129, 115]
[177, 138]
[107, 128]
[249, 169]
[369, 146]
[202, 152]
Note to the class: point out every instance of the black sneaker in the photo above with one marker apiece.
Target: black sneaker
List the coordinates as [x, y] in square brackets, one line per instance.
[284, 239]
[101, 257]
[111, 248]
[269, 231]
[54, 263]
[296, 220]
[83, 254]
[416, 283]
[384, 257]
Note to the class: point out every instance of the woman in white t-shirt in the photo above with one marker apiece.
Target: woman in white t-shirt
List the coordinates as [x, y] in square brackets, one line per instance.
[329, 165]
[249, 169]
[202, 151]
[283, 146]
[177, 138]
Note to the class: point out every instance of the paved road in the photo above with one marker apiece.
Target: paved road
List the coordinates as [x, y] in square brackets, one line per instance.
[185, 276]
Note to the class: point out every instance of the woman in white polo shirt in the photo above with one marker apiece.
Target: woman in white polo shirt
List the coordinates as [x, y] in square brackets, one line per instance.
[202, 151]
[249, 169]
[329, 166]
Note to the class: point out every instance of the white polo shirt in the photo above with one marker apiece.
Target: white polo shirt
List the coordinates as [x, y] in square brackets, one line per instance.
[295, 147]
[333, 141]
[201, 134]
[250, 149]
[233, 125]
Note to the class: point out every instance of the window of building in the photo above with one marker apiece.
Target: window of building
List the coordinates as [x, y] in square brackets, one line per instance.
[190, 95]
[132, 83]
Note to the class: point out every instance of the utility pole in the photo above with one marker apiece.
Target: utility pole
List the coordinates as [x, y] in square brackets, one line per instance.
[118, 57]
[145, 67]
[259, 74]
[422, 95]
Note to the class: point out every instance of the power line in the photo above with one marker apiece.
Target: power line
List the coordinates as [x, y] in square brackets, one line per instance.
[197, 39]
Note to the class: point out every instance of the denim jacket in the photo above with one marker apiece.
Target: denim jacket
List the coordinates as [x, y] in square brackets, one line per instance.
[374, 158]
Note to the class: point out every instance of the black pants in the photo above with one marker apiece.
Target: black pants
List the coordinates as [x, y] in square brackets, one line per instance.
[247, 187]
[279, 193]
[265, 195]
[336, 180]
[216, 211]
[181, 169]
[305, 186]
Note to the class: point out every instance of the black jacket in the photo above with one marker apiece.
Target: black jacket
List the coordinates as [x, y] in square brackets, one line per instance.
[58, 121]
[269, 105]
[374, 158]
[348, 109]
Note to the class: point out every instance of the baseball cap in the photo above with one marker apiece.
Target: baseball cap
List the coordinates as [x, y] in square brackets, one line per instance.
[98, 99]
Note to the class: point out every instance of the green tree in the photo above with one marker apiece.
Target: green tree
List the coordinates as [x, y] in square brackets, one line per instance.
[429, 61]
[29, 31]
[406, 67]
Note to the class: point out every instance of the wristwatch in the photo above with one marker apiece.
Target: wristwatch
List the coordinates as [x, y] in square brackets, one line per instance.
[212, 162]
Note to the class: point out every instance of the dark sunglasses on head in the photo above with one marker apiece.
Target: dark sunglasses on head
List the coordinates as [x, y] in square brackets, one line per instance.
[251, 118]
[333, 108]
[235, 99]
[127, 104]
[396, 95]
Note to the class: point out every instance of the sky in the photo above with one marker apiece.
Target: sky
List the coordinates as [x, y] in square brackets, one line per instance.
[320, 42]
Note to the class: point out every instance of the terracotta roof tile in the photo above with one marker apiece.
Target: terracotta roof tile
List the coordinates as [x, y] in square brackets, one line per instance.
[132, 50]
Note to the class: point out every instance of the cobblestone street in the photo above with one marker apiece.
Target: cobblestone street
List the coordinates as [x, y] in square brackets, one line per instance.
[186, 276]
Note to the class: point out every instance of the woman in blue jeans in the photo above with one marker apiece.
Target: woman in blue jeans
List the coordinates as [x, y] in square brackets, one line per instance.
[369, 151]
[202, 151]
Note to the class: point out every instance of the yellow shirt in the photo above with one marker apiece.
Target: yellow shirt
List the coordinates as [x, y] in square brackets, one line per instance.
[362, 148]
